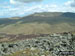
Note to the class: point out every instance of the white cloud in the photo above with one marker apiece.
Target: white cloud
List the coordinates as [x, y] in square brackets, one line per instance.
[70, 3]
[27, 1]
[12, 2]
[21, 9]
[16, 2]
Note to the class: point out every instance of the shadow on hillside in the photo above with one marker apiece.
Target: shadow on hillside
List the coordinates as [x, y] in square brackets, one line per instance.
[63, 18]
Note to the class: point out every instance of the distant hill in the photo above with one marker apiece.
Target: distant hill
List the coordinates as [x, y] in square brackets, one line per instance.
[69, 14]
[39, 23]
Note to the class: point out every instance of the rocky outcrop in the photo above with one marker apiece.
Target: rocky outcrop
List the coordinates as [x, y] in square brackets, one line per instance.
[54, 44]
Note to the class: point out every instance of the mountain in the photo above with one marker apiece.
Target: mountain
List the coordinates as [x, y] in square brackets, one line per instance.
[39, 23]
[69, 14]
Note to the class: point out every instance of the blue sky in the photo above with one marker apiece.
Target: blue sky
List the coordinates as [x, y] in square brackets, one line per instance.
[13, 8]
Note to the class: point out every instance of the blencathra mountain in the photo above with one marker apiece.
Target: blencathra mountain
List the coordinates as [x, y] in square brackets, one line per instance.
[39, 23]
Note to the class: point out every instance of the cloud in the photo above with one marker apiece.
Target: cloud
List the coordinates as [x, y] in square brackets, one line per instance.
[22, 9]
[70, 3]
[29, 0]
[12, 2]
[24, 1]
[73, 4]
[26, 10]
[15, 2]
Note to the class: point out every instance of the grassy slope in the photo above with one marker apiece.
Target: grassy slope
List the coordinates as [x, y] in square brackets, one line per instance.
[29, 52]
[38, 23]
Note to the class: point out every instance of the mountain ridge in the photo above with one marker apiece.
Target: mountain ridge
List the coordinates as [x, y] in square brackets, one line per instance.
[46, 22]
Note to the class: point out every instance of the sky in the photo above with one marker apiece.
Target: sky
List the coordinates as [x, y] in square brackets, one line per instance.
[20, 8]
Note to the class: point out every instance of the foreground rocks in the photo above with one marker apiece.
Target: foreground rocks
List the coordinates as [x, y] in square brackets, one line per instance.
[50, 45]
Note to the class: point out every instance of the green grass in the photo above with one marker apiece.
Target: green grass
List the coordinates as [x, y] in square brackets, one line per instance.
[29, 52]
[37, 28]
[38, 23]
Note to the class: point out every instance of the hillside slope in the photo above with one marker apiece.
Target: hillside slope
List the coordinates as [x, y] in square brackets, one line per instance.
[39, 23]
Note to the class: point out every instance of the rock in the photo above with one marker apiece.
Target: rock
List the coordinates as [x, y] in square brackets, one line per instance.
[53, 43]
